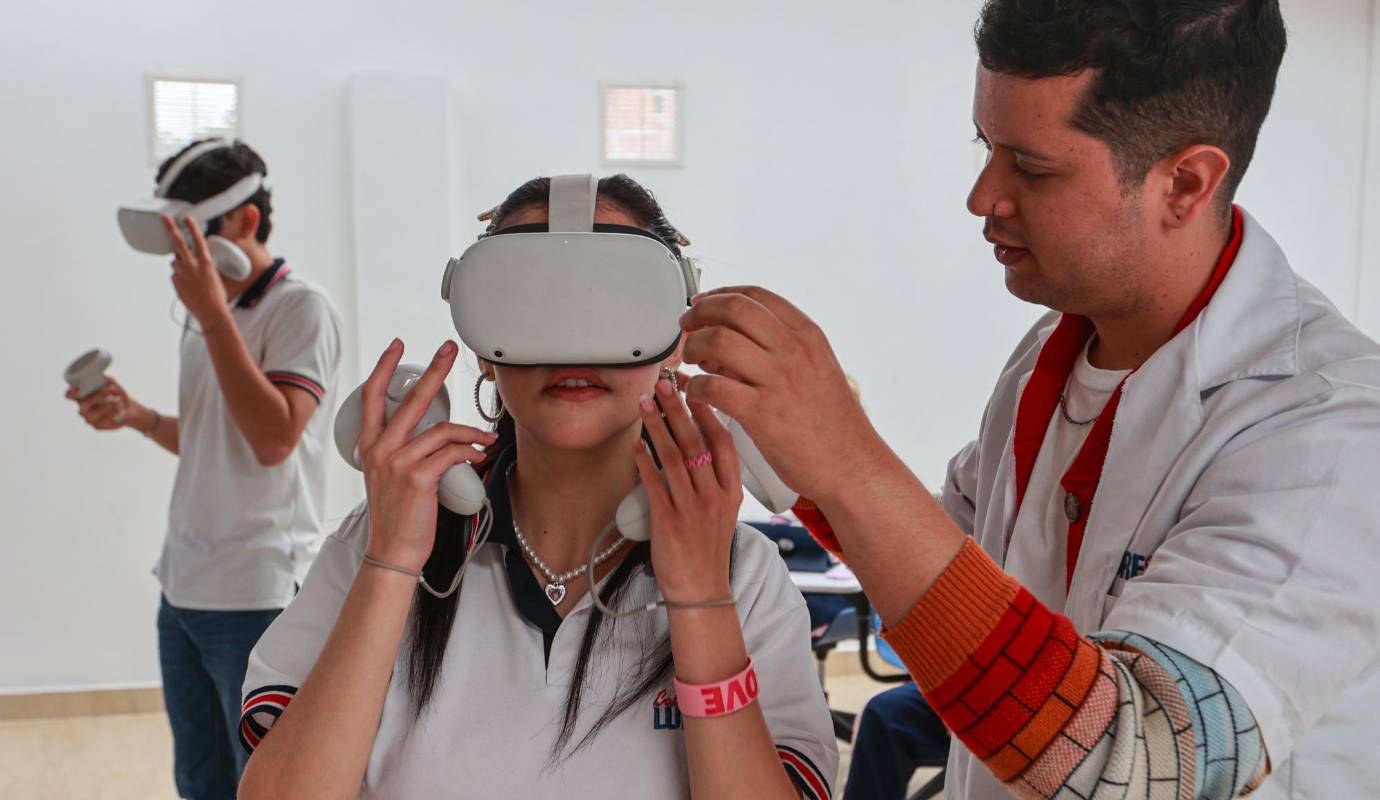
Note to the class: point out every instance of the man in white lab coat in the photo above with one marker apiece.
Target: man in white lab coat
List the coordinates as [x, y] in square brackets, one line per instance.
[1153, 572]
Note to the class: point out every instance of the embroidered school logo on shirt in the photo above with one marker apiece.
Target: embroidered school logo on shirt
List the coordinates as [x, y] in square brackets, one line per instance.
[1132, 564]
[665, 712]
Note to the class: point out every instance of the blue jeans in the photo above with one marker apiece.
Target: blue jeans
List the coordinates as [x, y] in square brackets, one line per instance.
[898, 733]
[203, 655]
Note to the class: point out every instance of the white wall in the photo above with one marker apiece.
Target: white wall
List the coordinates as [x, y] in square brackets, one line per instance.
[87, 511]
[400, 125]
[827, 155]
[1308, 182]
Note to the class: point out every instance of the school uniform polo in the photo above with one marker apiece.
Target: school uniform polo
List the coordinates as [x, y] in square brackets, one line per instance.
[239, 533]
[493, 719]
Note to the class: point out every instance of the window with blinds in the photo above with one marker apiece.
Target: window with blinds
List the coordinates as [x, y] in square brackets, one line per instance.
[642, 125]
[187, 110]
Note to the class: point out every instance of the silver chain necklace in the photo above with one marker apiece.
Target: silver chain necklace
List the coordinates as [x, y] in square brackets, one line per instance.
[555, 584]
[1064, 409]
[1063, 396]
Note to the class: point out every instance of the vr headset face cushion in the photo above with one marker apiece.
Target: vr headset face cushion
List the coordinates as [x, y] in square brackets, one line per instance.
[142, 226]
[526, 297]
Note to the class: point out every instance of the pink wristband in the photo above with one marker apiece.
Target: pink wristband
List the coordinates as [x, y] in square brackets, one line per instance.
[718, 699]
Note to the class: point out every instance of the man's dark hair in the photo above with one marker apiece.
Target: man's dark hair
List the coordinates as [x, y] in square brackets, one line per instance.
[216, 171]
[1169, 73]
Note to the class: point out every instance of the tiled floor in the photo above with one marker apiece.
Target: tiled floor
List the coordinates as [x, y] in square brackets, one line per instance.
[116, 757]
[129, 756]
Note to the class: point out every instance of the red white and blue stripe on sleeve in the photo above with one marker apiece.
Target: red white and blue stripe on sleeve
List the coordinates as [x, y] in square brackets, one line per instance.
[803, 771]
[262, 707]
[297, 379]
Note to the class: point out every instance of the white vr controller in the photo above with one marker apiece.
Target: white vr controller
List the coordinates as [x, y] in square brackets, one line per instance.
[634, 516]
[463, 492]
[141, 222]
[87, 373]
[460, 489]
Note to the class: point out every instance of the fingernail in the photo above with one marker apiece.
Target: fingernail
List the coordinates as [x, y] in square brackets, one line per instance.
[696, 298]
[646, 403]
[663, 388]
[447, 348]
[394, 345]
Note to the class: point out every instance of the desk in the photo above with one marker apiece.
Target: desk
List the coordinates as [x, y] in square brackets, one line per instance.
[822, 583]
[841, 582]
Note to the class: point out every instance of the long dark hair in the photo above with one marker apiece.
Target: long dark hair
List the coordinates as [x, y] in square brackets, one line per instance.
[433, 617]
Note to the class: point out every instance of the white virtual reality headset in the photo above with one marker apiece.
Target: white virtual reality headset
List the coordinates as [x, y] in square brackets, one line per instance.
[575, 293]
[142, 225]
[570, 292]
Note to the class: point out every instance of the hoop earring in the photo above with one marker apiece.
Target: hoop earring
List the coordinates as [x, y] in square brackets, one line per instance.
[670, 375]
[499, 410]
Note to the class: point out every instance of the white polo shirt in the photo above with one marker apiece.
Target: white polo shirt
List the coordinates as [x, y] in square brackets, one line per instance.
[497, 706]
[239, 532]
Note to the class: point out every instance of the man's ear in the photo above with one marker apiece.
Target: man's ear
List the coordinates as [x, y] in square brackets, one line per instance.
[242, 223]
[1195, 178]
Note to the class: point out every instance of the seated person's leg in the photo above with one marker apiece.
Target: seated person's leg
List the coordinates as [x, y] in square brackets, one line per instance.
[897, 734]
[823, 608]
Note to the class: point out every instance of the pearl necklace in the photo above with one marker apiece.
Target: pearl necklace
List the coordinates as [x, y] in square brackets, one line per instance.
[555, 584]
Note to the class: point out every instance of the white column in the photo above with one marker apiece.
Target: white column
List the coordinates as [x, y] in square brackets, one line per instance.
[1367, 298]
[400, 168]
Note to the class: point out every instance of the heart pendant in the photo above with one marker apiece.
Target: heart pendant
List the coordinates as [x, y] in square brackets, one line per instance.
[555, 592]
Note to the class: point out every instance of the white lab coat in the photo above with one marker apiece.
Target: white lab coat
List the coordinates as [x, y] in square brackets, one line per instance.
[1245, 466]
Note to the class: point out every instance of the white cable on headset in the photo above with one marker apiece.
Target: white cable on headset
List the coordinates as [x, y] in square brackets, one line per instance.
[594, 588]
[484, 525]
[649, 606]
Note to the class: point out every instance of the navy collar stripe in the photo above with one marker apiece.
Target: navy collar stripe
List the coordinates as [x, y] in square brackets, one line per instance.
[260, 287]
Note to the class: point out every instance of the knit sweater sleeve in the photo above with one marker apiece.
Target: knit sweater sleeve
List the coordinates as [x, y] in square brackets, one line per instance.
[1055, 714]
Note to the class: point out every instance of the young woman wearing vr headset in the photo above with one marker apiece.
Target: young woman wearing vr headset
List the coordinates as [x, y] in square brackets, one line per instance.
[517, 682]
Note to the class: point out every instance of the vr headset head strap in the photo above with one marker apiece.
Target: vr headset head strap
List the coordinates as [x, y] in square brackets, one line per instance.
[228, 200]
[572, 203]
[185, 160]
[571, 210]
[217, 204]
